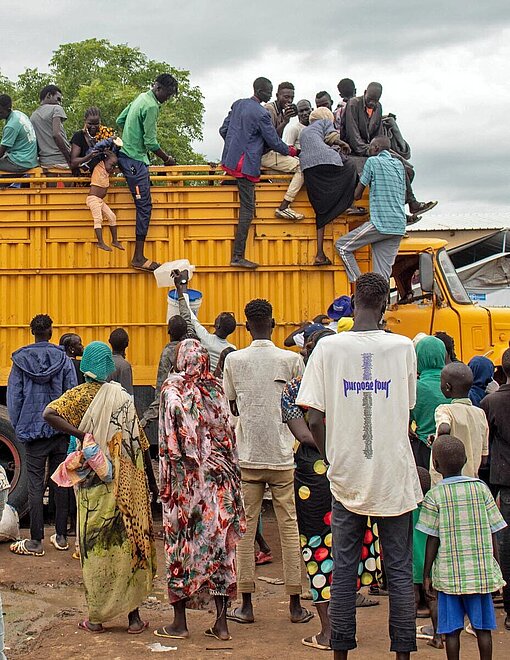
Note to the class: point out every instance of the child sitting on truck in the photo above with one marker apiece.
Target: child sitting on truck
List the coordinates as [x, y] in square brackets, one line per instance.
[100, 182]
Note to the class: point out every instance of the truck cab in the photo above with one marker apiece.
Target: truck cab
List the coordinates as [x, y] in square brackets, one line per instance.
[428, 296]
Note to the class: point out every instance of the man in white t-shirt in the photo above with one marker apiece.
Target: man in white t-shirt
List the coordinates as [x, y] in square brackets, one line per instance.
[292, 134]
[363, 382]
[254, 378]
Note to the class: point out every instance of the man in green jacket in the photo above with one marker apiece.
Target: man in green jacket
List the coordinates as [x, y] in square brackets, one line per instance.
[138, 122]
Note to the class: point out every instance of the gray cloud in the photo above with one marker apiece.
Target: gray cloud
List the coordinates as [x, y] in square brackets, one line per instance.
[437, 61]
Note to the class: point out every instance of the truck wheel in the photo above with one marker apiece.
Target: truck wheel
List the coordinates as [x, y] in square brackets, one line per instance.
[12, 458]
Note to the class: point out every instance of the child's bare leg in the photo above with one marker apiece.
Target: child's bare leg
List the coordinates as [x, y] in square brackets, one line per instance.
[100, 243]
[115, 240]
[436, 641]
[453, 645]
[484, 639]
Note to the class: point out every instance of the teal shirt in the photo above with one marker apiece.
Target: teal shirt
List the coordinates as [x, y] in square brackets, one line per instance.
[138, 123]
[386, 178]
[19, 140]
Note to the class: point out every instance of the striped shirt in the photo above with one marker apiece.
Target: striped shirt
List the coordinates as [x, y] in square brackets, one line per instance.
[462, 513]
[386, 178]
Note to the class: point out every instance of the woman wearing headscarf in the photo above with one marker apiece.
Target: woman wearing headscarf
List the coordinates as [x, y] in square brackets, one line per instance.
[313, 509]
[483, 374]
[330, 177]
[431, 357]
[200, 488]
[116, 538]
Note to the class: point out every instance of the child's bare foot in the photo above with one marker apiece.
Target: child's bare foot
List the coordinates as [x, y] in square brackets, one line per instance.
[118, 245]
[103, 246]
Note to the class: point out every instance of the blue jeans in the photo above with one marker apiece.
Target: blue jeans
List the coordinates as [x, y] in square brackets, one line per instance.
[396, 536]
[137, 177]
[504, 545]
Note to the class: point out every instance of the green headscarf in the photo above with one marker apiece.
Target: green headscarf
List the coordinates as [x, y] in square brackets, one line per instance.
[97, 362]
[430, 354]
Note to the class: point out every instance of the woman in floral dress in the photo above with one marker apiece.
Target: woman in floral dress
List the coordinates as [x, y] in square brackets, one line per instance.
[200, 488]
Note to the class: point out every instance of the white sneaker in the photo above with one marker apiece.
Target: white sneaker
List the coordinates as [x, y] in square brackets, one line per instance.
[288, 214]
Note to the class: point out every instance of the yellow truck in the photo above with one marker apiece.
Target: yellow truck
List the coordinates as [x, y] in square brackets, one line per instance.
[49, 264]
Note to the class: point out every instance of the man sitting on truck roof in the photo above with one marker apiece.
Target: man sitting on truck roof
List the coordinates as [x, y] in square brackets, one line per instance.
[18, 147]
[48, 122]
[387, 223]
[323, 100]
[247, 131]
[363, 122]
[138, 121]
[281, 111]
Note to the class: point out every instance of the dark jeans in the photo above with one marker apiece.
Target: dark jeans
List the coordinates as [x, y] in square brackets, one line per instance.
[137, 177]
[396, 536]
[504, 545]
[246, 213]
[39, 451]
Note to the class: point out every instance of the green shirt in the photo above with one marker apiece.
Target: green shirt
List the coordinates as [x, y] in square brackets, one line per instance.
[19, 140]
[138, 123]
[419, 545]
[461, 512]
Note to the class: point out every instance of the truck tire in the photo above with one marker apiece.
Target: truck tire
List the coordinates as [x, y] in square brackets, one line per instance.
[13, 459]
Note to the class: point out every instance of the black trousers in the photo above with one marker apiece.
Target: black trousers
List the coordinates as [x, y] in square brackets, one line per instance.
[39, 452]
[246, 213]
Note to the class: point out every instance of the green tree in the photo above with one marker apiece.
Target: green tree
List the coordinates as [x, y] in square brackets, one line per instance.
[97, 72]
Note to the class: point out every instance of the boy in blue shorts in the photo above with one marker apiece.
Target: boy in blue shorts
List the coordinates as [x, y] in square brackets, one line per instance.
[461, 519]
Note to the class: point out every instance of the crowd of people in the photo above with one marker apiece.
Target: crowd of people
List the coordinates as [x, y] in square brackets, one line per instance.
[407, 509]
[334, 153]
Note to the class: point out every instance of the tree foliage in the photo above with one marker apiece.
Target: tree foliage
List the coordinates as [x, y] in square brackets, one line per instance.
[97, 72]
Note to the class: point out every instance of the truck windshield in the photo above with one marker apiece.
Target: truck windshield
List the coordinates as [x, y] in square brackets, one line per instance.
[455, 286]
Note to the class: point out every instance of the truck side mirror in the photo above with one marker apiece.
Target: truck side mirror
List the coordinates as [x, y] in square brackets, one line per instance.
[426, 272]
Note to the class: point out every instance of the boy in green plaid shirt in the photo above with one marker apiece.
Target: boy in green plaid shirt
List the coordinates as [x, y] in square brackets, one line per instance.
[460, 517]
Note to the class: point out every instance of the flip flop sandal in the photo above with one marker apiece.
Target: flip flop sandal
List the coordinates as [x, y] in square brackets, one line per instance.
[20, 548]
[422, 634]
[54, 543]
[161, 632]
[314, 644]
[84, 625]
[210, 633]
[308, 616]
[76, 555]
[262, 558]
[145, 625]
[232, 616]
[148, 266]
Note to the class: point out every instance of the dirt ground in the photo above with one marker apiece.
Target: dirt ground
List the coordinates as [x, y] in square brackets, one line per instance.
[43, 601]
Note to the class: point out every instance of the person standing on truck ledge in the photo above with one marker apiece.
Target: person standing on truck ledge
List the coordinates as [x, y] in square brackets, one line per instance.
[383, 232]
[41, 372]
[247, 131]
[48, 122]
[281, 111]
[138, 122]
[18, 147]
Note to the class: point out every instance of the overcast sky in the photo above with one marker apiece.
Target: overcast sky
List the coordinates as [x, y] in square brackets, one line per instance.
[442, 63]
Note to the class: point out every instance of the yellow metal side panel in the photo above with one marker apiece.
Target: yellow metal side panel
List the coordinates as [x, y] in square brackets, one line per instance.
[49, 264]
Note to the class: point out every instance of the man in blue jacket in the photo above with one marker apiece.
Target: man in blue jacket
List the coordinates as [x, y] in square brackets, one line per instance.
[41, 372]
[248, 132]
